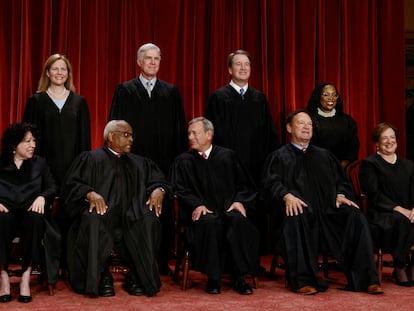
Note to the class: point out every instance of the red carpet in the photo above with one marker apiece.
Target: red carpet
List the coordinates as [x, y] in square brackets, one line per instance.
[271, 295]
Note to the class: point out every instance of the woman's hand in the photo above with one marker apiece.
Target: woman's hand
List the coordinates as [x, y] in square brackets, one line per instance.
[3, 209]
[38, 205]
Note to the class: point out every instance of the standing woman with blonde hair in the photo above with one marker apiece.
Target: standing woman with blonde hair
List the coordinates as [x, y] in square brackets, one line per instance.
[62, 119]
[61, 115]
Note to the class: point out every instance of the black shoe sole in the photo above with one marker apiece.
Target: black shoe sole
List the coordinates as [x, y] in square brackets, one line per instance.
[24, 299]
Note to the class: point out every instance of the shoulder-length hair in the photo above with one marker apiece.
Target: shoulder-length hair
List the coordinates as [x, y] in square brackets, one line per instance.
[44, 81]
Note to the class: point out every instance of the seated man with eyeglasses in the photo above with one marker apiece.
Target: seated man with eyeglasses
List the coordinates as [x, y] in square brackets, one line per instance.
[114, 199]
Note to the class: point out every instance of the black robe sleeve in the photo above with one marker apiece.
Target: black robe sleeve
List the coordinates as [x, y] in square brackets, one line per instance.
[215, 182]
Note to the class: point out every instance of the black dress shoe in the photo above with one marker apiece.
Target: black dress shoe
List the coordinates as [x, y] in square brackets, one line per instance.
[24, 299]
[106, 285]
[6, 298]
[400, 283]
[213, 286]
[242, 287]
[132, 285]
[165, 271]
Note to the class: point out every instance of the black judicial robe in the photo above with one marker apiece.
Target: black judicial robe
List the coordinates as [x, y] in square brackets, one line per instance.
[386, 186]
[158, 122]
[217, 182]
[18, 189]
[63, 134]
[125, 183]
[316, 177]
[245, 126]
[338, 134]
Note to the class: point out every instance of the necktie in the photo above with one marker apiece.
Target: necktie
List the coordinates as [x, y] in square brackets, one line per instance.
[149, 89]
[204, 155]
[304, 150]
[242, 93]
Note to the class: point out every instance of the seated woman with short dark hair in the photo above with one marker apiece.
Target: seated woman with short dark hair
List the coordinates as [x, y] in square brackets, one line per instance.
[26, 188]
[388, 182]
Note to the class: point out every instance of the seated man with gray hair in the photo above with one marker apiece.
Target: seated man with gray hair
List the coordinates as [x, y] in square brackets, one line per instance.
[113, 199]
[216, 197]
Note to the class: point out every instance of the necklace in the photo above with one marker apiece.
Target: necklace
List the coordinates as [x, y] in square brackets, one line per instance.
[49, 90]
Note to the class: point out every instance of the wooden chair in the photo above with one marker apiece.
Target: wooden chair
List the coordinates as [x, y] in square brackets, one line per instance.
[182, 252]
[353, 173]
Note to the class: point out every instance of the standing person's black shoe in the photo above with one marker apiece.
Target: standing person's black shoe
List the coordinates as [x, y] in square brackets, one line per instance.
[132, 285]
[106, 284]
[242, 287]
[213, 286]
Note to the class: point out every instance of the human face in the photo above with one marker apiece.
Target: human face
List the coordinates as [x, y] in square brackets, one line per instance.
[25, 149]
[150, 64]
[300, 129]
[199, 139]
[121, 139]
[387, 143]
[58, 73]
[328, 99]
[240, 69]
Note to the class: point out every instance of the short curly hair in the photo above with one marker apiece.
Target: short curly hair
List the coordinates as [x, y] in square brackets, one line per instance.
[13, 136]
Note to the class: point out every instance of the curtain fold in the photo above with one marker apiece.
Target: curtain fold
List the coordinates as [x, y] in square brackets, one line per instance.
[356, 44]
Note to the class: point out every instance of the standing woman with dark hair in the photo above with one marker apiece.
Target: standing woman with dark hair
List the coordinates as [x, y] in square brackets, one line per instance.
[26, 189]
[332, 128]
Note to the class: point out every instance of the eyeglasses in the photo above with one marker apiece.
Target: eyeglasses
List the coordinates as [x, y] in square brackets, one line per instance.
[125, 134]
[334, 95]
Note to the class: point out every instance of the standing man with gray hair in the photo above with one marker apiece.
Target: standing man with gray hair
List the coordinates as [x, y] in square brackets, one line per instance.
[155, 111]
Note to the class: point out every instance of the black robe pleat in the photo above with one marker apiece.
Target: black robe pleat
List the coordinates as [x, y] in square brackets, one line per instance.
[387, 186]
[217, 182]
[338, 134]
[18, 189]
[244, 125]
[63, 134]
[158, 122]
[316, 177]
[125, 184]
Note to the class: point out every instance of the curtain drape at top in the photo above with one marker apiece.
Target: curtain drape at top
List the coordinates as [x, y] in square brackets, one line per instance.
[356, 44]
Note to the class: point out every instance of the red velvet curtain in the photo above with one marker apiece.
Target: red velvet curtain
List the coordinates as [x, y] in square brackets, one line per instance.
[295, 44]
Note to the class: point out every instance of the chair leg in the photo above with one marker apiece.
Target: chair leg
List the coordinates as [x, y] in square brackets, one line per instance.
[273, 265]
[185, 270]
[379, 265]
[255, 282]
[51, 288]
[325, 265]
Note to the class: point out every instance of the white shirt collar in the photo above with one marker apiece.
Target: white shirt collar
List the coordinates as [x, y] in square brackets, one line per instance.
[237, 88]
[207, 152]
[326, 114]
[144, 81]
